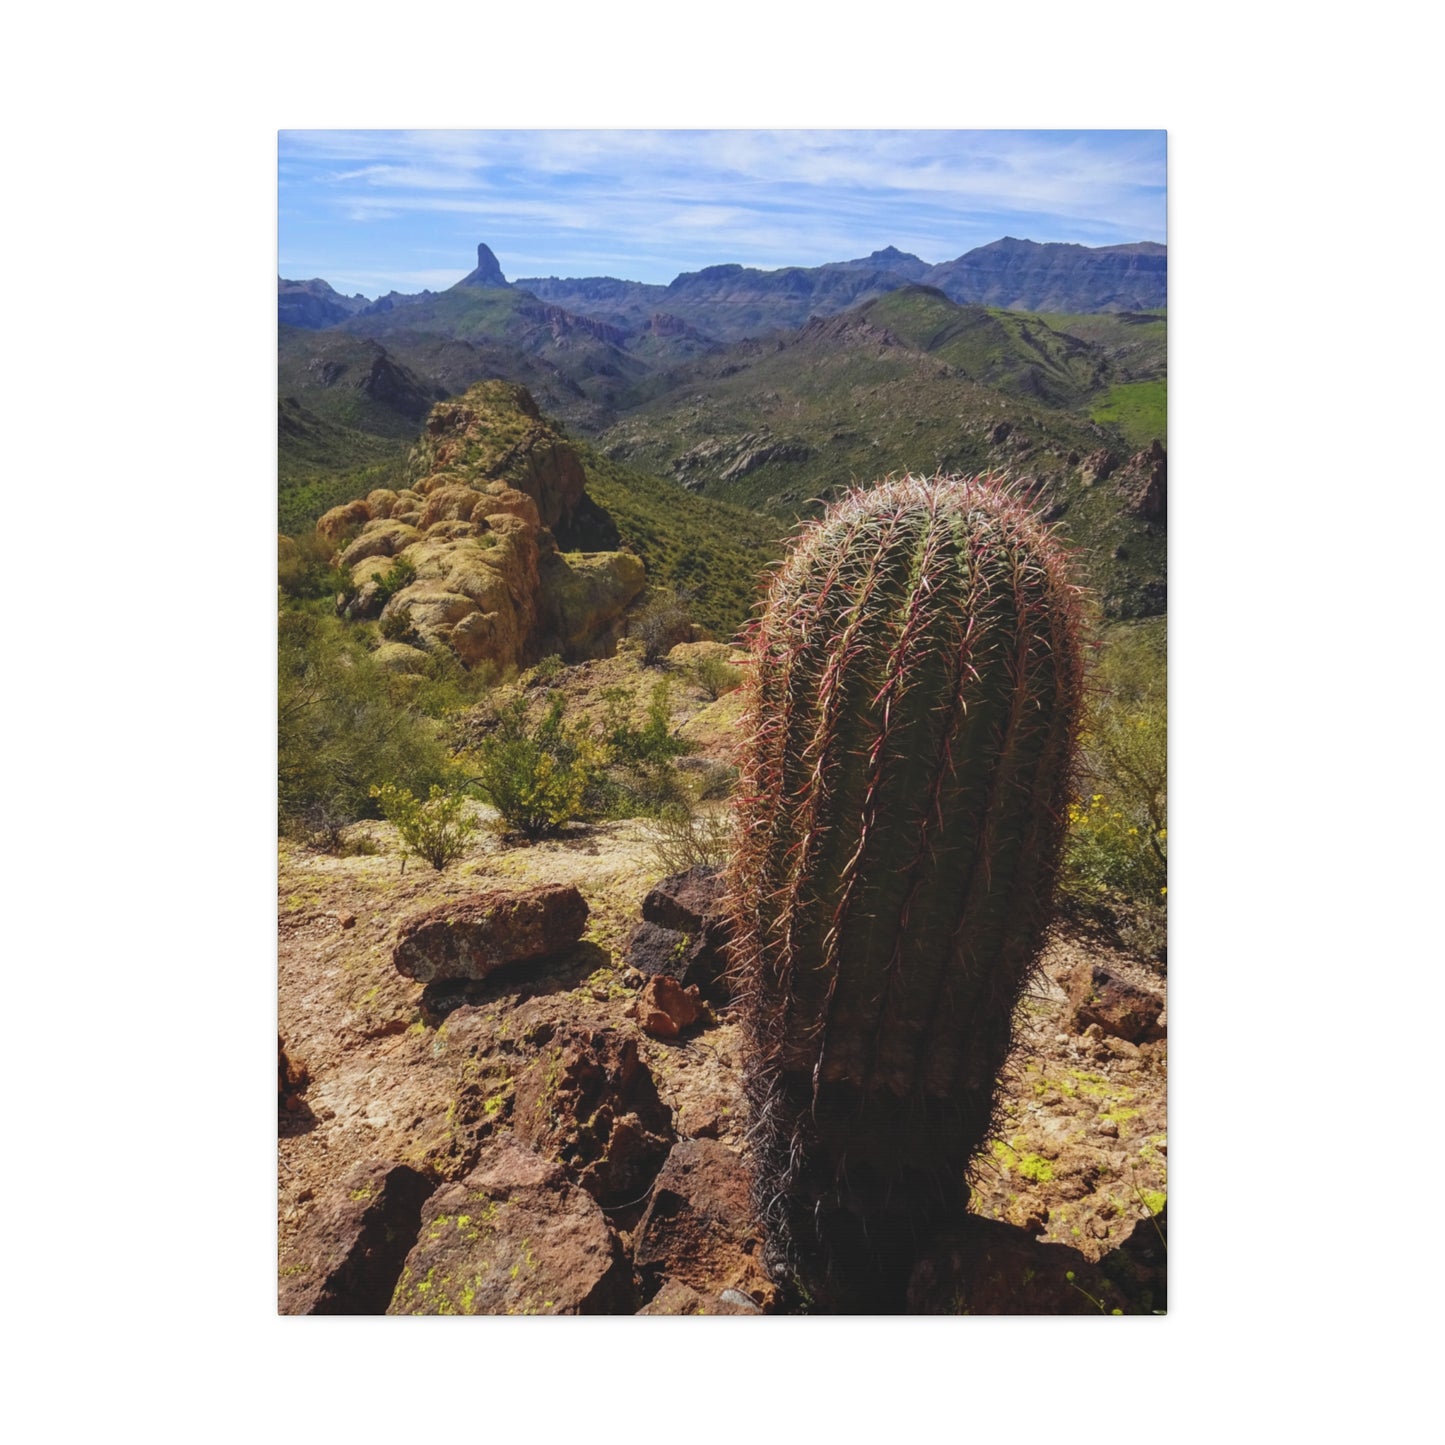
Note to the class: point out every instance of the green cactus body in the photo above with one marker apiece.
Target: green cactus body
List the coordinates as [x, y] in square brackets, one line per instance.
[914, 705]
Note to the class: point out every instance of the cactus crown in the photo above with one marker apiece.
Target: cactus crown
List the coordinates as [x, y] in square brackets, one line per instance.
[910, 737]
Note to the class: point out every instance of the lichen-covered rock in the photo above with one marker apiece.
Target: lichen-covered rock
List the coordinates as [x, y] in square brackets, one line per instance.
[699, 1227]
[382, 538]
[469, 938]
[356, 1243]
[513, 1238]
[582, 599]
[494, 432]
[590, 1102]
[1122, 1009]
[399, 657]
[340, 520]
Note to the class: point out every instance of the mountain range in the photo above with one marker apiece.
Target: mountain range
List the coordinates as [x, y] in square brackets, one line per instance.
[772, 390]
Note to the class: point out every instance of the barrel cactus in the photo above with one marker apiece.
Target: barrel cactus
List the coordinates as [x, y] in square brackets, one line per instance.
[910, 737]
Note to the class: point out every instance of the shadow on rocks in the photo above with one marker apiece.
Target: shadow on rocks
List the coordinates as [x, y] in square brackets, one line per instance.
[516, 982]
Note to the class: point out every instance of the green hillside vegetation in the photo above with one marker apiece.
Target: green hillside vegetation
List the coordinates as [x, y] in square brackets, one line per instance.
[322, 463]
[601, 371]
[1138, 409]
[1012, 350]
[712, 550]
[1136, 343]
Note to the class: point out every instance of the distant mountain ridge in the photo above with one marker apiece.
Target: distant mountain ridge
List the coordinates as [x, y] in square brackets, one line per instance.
[731, 302]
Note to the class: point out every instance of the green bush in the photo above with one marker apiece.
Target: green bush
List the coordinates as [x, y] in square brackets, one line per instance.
[684, 837]
[661, 624]
[536, 777]
[437, 830]
[715, 675]
[304, 568]
[341, 727]
[1116, 865]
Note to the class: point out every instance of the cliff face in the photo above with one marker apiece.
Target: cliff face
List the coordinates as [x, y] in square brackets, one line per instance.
[465, 557]
[1027, 276]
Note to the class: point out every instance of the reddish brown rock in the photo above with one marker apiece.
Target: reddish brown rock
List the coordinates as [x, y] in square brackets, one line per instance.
[986, 1267]
[676, 1298]
[698, 1229]
[292, 1077]
[683, 932]
[664, 1008]
[590, 1102]
[470, 937]
[351, 1253]
[513, 1238]
[1119, 1008]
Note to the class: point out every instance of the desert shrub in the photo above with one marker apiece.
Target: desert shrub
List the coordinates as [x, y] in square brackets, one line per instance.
[546, 672]
[304, 568]
[341, 729]
[396, 627]
[639, 779]
[715, 675]
[684, 837]
[401, 573]
[1116, 865]
[536, 777]
[661, 624]
[437, 829]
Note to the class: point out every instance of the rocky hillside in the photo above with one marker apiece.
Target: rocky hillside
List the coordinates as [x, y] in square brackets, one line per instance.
[564, 1132]
[1028, 276]
[465, 556]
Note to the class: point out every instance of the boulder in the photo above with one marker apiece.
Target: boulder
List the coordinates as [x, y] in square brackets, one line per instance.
[676, 1298]
[683, 932]
[470, 937]
[664, 1008]
[292, 1078]
[352, 1249]
[513, 1238]
[379, 539]
[699, 1229]
[590, 1102]
[399, 657]
[582, 597]
[1119, 1008]
[336, 523]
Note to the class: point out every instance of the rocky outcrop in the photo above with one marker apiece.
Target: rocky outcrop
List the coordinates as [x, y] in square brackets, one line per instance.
[494, 432]
[356, 1243]
[488, 270]
[1120, 1008]
[465, 558]
[513, 1238]
[683, 932]
[591, 1103]
[470, 938]
[699, 1230]
[1143, 483]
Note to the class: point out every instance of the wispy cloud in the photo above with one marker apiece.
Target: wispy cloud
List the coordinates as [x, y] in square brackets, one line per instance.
[665, 201]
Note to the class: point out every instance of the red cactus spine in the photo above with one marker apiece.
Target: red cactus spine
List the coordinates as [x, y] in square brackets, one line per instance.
[913, 712]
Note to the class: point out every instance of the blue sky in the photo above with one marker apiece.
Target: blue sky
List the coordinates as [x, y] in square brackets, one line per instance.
[373, 211]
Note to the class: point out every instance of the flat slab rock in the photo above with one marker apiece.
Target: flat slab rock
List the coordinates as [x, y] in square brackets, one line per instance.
[513, 1238]
[469, 938]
